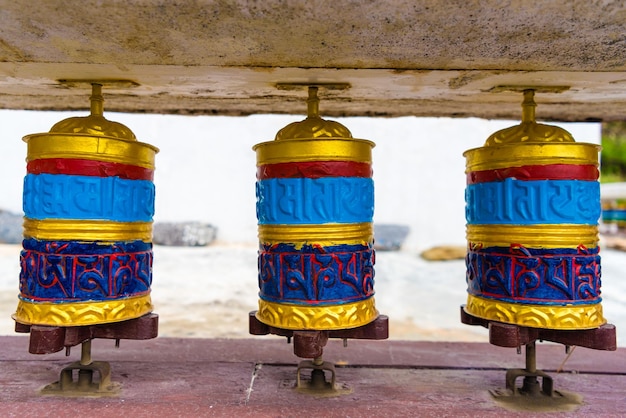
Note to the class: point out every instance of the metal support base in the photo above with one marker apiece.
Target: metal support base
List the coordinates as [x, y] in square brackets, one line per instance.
[317, 385]
[531, 385]
[83, 383]
[543, 395]
[86, 377]
[310, 344]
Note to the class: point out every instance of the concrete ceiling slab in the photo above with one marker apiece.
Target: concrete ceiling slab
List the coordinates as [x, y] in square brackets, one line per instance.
[424, 58]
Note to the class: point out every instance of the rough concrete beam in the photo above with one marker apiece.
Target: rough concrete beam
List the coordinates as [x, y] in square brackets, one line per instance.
[401, 57]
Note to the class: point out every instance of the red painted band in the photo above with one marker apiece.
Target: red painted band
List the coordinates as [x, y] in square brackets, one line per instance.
[314, 169]
[536, 172]
[88, 168]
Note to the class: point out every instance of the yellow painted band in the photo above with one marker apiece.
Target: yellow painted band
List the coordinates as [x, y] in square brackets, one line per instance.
[98, 148]
[324, 234]
[82, 313]
[569, 317]
[321, 149]
[327, 317]
[74, 230]
[533, 236]
[519, 154]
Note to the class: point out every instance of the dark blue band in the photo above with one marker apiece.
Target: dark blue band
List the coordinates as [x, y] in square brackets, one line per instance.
[316, 275]
[66, 271]
[535, 276]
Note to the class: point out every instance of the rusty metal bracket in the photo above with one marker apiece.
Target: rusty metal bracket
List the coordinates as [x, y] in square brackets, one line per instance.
[51, 339]
[509, 335]
[522, 88]
[87, 83]
[295, 85]
[310, 344]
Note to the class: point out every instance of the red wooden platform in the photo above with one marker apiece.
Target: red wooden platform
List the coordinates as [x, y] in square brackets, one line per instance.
[255, 377]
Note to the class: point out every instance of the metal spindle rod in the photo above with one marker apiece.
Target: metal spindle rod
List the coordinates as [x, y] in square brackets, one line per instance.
[85, 353]
[531, 357]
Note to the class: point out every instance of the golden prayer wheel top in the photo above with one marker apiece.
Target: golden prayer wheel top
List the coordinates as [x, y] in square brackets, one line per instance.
[313, 126]
[529, 130]
[314, 139]
[530, 143]
[94, 124]
[91, 137]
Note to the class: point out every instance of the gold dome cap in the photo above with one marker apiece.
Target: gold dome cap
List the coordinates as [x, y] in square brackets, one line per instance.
[95, 124]
[529, 131]
[530, 143]
[313, 139]
[92, 138]
[313, 126]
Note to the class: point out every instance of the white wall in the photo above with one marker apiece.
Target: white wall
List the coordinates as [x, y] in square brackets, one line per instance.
[206, 167]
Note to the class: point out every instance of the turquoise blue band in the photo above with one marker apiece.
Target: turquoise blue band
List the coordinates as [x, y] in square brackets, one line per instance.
[293, 201]
[61, 196]
[533, 202]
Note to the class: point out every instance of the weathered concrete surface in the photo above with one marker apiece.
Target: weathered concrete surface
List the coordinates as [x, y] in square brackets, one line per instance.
[255, 377]
[400, 57]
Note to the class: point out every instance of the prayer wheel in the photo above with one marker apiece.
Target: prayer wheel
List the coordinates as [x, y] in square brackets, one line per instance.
[315, 203]
[88, 202]
[532, 211]
[614, 215]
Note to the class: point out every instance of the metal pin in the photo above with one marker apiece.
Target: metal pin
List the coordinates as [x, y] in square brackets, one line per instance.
[117, 343]
[67, 351]
[345, 342]
[519, 349]
[288, 340]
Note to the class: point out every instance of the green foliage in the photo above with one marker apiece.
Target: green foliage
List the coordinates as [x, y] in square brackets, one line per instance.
[613, 156]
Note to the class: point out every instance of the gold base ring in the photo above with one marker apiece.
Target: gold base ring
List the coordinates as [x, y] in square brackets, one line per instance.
[567, 317]
[82, 313]
[320, 318]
